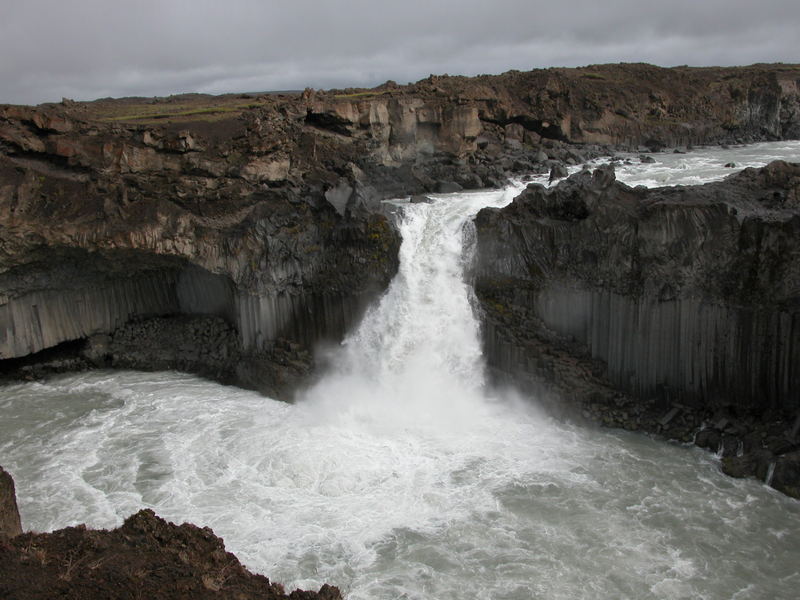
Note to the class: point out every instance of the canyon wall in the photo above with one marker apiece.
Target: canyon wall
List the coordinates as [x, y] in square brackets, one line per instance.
[690, 294]
[103, 224]
[627, 105]
[265, 210]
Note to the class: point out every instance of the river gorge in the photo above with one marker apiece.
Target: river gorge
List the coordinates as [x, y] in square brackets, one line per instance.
[402, 472]
[525, 335]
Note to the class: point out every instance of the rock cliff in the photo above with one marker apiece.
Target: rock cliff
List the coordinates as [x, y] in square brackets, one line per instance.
[263, 211]
[104, 224]
[683, 297]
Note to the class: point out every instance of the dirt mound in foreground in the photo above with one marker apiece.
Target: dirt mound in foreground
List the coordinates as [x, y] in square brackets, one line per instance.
[146, 557]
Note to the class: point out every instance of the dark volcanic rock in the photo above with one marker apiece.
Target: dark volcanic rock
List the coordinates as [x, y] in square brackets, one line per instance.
[786, 474]
[146, 557]
[264, 210]
[688, 293]
[10, 524]
[105, 224]
[558, 171]
[655, 310]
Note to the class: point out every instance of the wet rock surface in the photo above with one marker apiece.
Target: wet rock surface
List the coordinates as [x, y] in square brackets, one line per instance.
[672, 311]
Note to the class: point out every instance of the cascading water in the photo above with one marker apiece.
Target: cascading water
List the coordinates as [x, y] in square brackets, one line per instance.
[416, 359]
[399, 475]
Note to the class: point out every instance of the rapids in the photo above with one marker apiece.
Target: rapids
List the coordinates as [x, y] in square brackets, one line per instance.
[400, 474]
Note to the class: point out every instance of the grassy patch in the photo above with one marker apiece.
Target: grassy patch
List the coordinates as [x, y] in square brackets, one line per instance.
[148, 113]
[367, 94]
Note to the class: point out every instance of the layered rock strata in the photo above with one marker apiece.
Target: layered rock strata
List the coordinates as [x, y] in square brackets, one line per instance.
[102, 225]
[264, 210]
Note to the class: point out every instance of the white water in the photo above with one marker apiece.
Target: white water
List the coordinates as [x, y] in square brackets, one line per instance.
[400, 475]
[703, 164]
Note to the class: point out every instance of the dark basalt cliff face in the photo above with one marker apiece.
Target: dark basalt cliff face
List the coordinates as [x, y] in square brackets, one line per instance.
[103, 224]
[684, 297]
[261, 213]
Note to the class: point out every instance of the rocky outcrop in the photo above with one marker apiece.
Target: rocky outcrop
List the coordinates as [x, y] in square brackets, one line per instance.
[628, 105]
[10, 525]
[665, 309]
[146, 557]
[638, 104]
[105, 224]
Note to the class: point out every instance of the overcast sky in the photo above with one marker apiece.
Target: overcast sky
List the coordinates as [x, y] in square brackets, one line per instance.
[87, 49]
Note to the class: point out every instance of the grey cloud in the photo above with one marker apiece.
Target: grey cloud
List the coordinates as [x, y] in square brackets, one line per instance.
[93, 48]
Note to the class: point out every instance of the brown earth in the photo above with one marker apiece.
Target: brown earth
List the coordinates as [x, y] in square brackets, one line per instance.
[146, 557]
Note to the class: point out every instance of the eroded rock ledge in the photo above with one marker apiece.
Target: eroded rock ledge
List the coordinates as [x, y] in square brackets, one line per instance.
[671, 310]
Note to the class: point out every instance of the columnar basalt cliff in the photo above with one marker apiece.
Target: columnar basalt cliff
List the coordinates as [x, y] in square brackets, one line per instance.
[684, 297]
[103, 224]
[263, 210]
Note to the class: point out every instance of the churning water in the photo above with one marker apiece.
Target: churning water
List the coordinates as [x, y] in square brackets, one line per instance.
[400, 475]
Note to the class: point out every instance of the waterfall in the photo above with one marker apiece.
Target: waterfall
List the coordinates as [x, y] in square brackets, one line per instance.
[417, 354]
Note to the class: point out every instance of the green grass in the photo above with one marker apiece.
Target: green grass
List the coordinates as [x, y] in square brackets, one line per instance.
[146, 113]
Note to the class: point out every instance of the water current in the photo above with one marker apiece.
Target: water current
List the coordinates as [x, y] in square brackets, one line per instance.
[400, 474]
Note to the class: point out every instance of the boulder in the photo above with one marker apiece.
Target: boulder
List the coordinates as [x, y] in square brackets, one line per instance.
[708, 439]
[558, 171]
[448, 187]
[786, 476]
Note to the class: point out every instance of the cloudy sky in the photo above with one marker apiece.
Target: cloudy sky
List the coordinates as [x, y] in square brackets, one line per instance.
[86, 49]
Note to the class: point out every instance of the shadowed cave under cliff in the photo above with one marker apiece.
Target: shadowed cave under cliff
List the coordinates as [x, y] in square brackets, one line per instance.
[136, 309]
